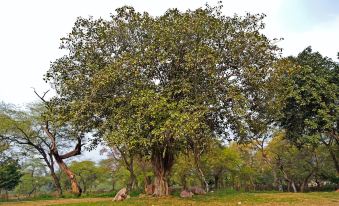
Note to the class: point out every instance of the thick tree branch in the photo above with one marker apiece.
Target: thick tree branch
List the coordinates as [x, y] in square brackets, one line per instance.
[51, 136]
[74, 152]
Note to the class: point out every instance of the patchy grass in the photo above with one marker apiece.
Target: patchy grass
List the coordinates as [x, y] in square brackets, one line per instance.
[222, 198]
[61, 201]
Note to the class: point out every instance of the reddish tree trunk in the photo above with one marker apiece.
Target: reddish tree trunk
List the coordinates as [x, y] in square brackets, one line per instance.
[76, 190]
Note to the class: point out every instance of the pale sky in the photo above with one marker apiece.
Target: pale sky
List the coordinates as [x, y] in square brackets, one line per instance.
[30, 31]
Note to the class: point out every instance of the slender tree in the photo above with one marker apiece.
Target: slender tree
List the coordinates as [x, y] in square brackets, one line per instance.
[23, 130]
[40, 132]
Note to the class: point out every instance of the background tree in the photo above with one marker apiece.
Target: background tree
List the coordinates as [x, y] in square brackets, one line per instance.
[184, 173]
[219, 161]
[9, 174]
[111, 165]
[311, 111]
[3, 147]
[297, 166]
[35, 179]
[40, 131]
[87, 173]
[23, 129]
[122, 154]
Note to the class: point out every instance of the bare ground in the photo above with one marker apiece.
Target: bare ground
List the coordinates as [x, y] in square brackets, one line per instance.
[56, 201]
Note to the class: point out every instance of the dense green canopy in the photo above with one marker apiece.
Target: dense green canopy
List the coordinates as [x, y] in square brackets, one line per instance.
[312, 108]
[153, 83]
[9, 174]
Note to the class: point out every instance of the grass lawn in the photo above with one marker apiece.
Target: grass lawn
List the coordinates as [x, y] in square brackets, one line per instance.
[212, 199]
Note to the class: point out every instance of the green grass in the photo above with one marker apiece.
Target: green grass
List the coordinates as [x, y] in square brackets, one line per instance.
[232, 198]
[219, 198]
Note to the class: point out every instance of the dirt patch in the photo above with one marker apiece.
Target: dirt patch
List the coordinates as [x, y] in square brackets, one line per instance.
[55, 202]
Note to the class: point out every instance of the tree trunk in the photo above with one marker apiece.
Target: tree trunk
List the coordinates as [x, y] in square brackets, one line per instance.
[305, 182]
[204, 182]
[57, 183]
[132, 182]
[275, 180]
[147, 180]
[129, 163]
[280, 186]
[216, 181]
[336, 164]
[303, 186]
[162, 161]
[160, 185]
[333, 155]
[203, 179]
[85, 187]
[335, 160]
[76, 190]
[133, 179]
[318, 184]
[293, 186]
[290, 181]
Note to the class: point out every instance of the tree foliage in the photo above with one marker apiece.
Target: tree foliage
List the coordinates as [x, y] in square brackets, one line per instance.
[311, 109]
[9, 174]
[154, 83]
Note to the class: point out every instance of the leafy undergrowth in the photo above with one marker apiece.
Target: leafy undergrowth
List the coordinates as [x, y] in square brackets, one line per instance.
[212, 199]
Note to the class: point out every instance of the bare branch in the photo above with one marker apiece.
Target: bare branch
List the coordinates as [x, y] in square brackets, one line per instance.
[42, 98]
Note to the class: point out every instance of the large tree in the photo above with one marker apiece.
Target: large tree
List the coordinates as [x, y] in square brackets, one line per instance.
[154, 84]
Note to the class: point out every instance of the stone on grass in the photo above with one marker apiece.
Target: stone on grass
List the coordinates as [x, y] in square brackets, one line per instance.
[186, 194]
[197, 190]
[121, 195]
